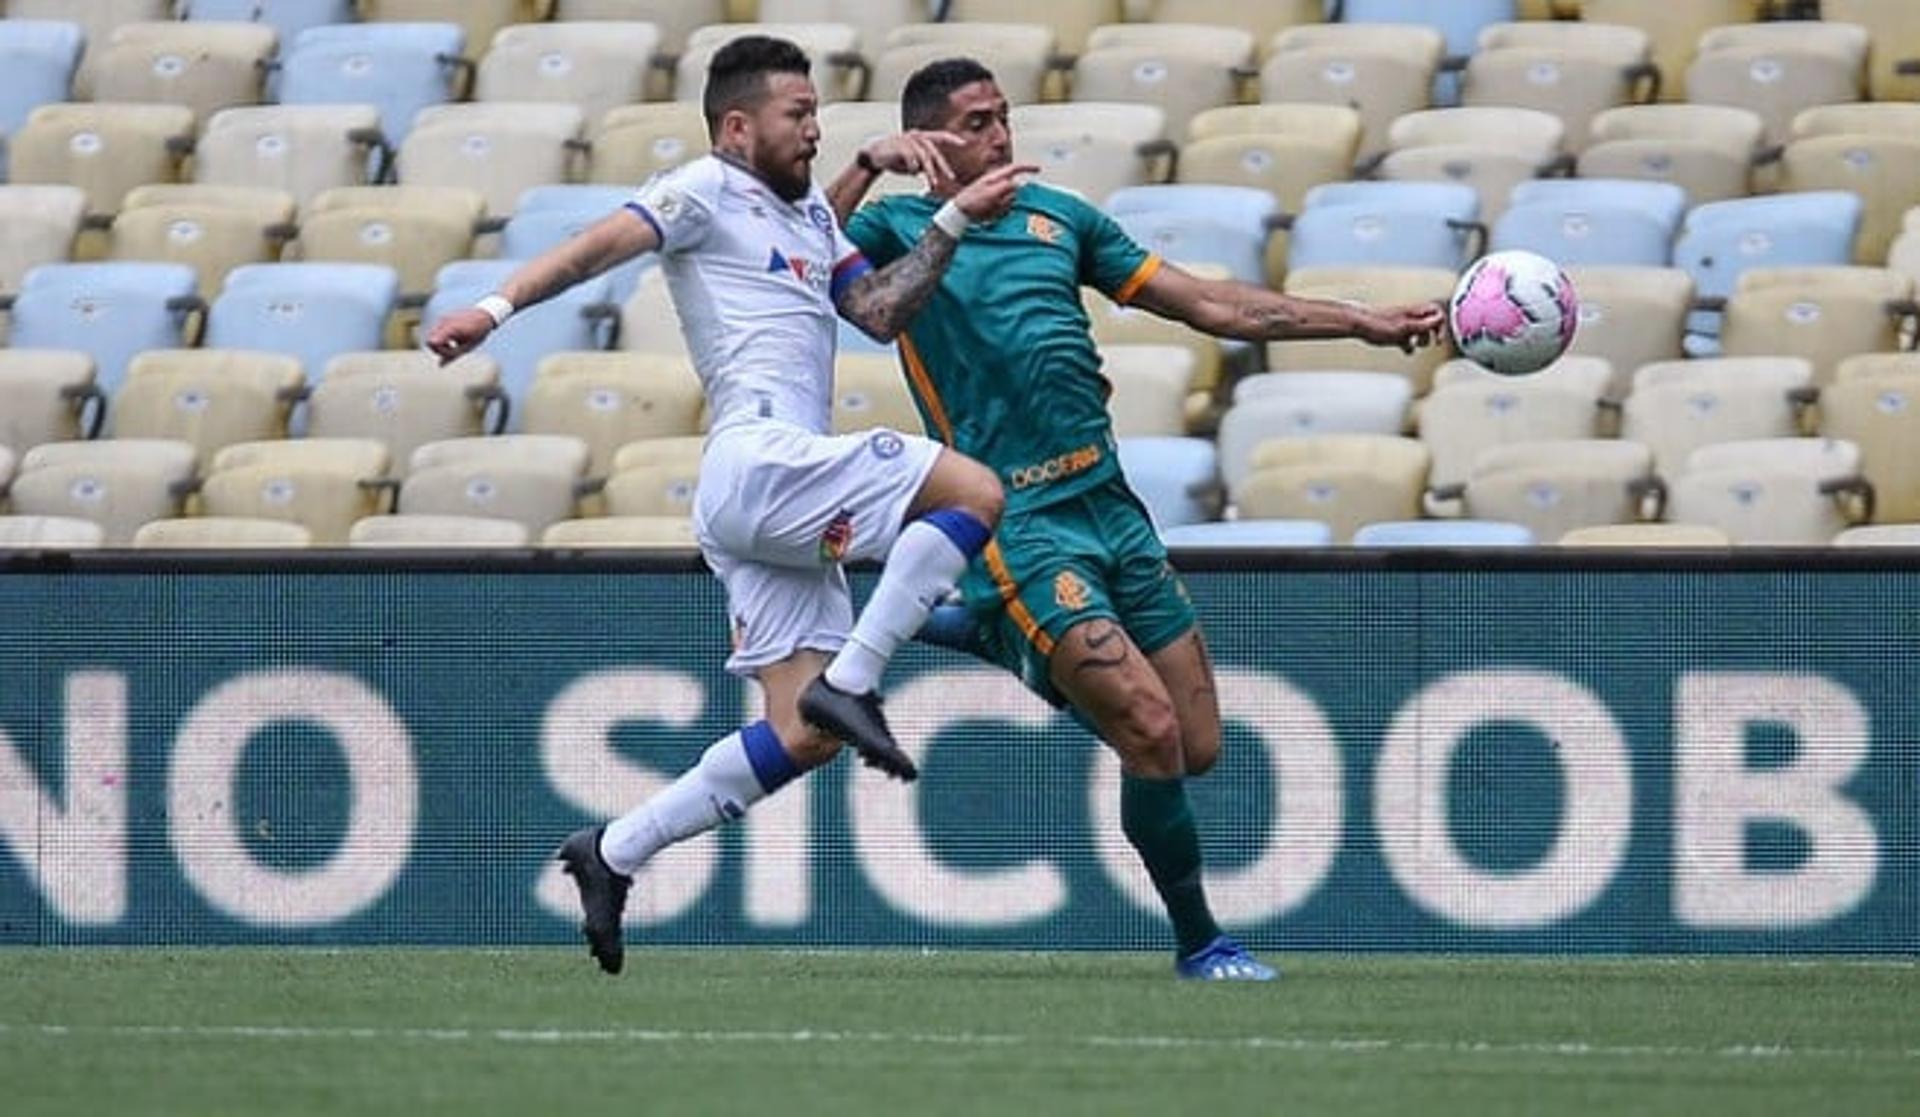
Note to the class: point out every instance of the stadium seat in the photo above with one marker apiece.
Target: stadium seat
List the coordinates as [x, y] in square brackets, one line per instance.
[1904, 255]
[500, 149]
[211, 229]
[220, 533]
[648, 321]
[40, 57]
[675, 19]
[1708, 150]
[547, 216]
[1896, 119]
[1822, 314]
[1677, 407]
[1094, 148]
[1630, 317]
[1378, 286]
[681, 452]
[1778, 492]
[1072, 21]
[1880, 413]
[869, 390]
[1150, 385]
[1182, 68]
[41, 224]
[106, 149]
[1491, 149]
[1883, 170]
[1895, 29]
[118, 484]
[110, 311]
[404, 531]
[1019, 55]
[610, 399]
[649, 533]
[50, 533]
[1341, 480]
[207, 398]
[848, 126]
[478, 20]
[1674, 29]
[1386, 224]
[1177, 478]
[204, 66]
[1249, 535]
[1646, 536]
[596, 66]
[840, 73]
[1880, 535]
[531, 493]
[1662, 202]
[1553, 487]
[581, 318]
[1382, 71]
[287, 18]
[1285, 150]
[404, 400]
[1263, 21]
[1588, 232]
[1299, 405]
[97, 20]
[1405, 534]
[415, 230]
[1196, 224]
[1590, 377]
[552, 452]
[1463, 417]
[1778, 69]
[304, 150]
[47, 395]
[310, 311]
[1571, 70]
[400, 68]
[1459, 22]
[635, 142]
[323, 493]
[1721, 240]
[654, 477]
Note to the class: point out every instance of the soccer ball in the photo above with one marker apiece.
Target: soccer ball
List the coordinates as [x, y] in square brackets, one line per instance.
[1513, 313]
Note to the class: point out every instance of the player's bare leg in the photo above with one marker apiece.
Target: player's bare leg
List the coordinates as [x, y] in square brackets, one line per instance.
[1186, 670]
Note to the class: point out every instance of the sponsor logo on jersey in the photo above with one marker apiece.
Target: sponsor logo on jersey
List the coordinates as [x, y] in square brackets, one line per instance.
[810, 272]
[1069, 464]
[886, 445]
[1041, 228]
[837, 540]
[1069, 592]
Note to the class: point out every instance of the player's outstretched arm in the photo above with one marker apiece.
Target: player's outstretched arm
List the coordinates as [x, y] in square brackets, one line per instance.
[610, 241]
[1226, 308]
[908, 153]
[882, 302]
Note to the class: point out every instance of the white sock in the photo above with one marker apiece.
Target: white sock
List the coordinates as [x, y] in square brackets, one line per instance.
[921, 568]
[714, 791]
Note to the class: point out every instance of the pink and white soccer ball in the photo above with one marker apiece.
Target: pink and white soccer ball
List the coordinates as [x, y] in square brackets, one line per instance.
[1513, 313]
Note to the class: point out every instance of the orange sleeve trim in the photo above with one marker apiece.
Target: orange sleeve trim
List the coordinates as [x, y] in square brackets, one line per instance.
[1147, 269]
[922, 386]
[1016, 608]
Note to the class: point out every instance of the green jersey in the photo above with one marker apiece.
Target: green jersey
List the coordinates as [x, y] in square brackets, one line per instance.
[1001, 360]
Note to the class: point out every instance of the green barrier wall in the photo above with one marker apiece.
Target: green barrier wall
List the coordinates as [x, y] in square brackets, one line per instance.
[1422, 754]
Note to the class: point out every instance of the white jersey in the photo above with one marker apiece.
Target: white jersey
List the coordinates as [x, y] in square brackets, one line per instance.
[754, 278]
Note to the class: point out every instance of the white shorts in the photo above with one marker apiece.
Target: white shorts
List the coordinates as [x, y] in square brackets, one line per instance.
[779, 509]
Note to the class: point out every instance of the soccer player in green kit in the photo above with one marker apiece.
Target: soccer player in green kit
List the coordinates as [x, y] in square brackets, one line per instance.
[1074, 593]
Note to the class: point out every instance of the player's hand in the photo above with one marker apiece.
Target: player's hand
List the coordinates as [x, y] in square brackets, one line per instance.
[1407, 328]
[988, 197]
[915, 153]
[458, 334]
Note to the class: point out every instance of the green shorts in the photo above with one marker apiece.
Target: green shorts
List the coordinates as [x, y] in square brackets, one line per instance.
[1088, 556]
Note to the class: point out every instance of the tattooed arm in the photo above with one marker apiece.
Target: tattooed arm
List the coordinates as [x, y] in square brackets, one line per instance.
[881, 303]
[1239, 310]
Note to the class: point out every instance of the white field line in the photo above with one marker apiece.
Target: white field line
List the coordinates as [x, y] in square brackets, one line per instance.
[1313, 1045]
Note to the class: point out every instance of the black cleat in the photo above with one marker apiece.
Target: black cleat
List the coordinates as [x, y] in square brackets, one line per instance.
[603, 896]
[857, 720]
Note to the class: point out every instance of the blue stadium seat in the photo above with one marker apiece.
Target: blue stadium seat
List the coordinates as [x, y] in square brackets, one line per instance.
[1174, 477]
[288, 18]
[584, 317]
[399, 67]
[1200, 224]
[1721, 240]
[110, 311]
[37, 61]
[1443, 533]
[1400, 224]
[1586, 234]
[311, 311]
[1665, 202]
[1459, 21]
[549, 215]
[1255, 535]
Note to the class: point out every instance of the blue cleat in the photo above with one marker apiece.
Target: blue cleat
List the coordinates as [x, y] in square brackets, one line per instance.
[1223, 960]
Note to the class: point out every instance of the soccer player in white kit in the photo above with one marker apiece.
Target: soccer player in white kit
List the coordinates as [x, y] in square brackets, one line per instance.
[757, 266]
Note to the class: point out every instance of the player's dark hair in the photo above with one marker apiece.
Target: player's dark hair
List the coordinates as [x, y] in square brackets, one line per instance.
[737, 75]
[923, 103]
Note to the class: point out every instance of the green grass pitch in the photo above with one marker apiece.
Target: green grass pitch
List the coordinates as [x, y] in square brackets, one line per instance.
[786, 1033]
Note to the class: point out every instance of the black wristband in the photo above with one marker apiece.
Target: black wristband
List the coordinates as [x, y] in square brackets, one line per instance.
[865, 162]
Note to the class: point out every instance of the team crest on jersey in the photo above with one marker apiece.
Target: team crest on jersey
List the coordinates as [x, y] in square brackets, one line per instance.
[837, 540]
[1041, 228]
[886, 445]
[821, 219]
[1069, 592]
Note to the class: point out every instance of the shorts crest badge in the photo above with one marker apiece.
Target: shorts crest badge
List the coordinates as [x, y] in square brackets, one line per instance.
[837, 540]
[1069, 592]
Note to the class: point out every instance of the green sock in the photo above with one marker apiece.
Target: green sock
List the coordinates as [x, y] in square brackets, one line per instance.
[1157, 819]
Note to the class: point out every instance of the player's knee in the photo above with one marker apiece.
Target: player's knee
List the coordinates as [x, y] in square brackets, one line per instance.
[977, 492]
[1147, 734]
[809, 747]
[1202, 751]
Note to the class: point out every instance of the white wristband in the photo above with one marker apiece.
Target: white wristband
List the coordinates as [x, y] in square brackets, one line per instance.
[496, 307]
[952, 220]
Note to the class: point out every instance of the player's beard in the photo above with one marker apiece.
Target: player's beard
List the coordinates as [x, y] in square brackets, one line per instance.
[790, 179]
